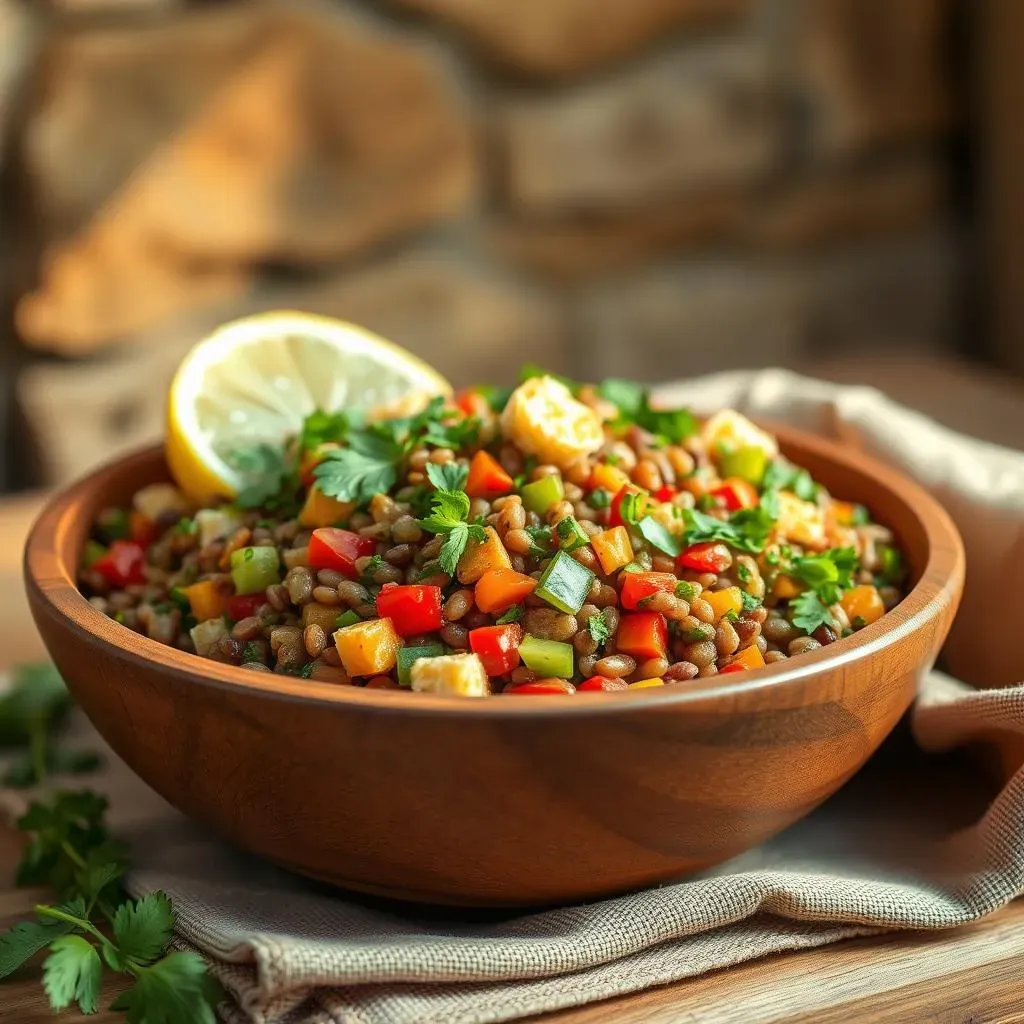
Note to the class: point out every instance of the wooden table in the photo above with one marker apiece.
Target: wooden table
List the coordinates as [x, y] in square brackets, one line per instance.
[970, 975]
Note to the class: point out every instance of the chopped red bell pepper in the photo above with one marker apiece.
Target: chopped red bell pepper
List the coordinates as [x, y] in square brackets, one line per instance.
[243, 606]
[736, 493]
[471, 402]
[706, 557]
[413, 609]
[600, 684]
[542, 686]
[639, 585]
[123, 563]
[143, 530]
[732, 667]
[497, 647]
[643, 635]
[665, 493]
[334, 548]
[615, 508]
[486, 477]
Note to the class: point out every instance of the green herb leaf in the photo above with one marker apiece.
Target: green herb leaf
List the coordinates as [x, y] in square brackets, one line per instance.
[449, 476]
[540, 540]
[143, 928]
[598, 629]
[514, 614]
[892, 572]
[749, 602]
[27, 938]
[322, 427]
[453, 548]
[174, 990]
[73, 972]
[686, 591]
[746, 530]
[827, 574]
[659, 535]
[633, 402]
[781, 475]
[359, 472]
[598, 498]
[808, 612]
[266, 472]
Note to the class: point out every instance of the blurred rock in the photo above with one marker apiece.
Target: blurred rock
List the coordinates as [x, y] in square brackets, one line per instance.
[554, 38]
[872, 71]
[883, 296]
[695, 317]
[697, 119]
[817, 209]
[449, 312]
[293, 134]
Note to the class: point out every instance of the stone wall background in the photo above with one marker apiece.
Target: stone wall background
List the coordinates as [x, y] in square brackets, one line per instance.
[645, 187]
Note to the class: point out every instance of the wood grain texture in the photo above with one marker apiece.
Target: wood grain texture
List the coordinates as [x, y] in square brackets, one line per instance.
[630, 791]
[449, 801]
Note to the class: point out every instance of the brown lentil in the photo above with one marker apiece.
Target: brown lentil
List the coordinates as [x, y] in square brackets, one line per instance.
[457, 605]
[315, 640]
[615, 666]
[246, 629]
[680, 672]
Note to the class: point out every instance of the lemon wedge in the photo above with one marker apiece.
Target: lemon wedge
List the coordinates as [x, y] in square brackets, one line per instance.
[256, 379]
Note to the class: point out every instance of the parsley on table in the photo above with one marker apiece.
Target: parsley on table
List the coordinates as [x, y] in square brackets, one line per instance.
[449, 476]
[634, 405]
[449, 511]
[825, 576]
[514, 614]
[598, 629]
[31, 710]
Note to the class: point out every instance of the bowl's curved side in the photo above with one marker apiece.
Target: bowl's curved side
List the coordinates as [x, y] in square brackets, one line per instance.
[496, 802]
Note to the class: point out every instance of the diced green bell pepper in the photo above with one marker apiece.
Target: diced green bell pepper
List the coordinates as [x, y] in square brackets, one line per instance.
[113, 524]
[565, 583]
[92, 552]
[407, 655]
[571, 535]
[547, 657]
[349, 618]
[254, 569]
[540, 495]
[747, 462]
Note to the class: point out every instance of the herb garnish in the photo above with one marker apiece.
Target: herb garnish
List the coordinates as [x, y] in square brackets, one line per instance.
[826, 576]
[633, 402]
[269, 476]
[745, 530]
[449, 511]
[598, 629]
[514, 614]
[449, 476]
[781, 475]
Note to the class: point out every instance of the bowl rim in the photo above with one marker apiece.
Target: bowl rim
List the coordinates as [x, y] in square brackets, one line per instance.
[52, 590]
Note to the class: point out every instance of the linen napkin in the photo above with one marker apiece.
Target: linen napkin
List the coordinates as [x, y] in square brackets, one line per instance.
[917, 840]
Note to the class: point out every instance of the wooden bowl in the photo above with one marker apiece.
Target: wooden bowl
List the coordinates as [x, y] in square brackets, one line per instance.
[501, 801]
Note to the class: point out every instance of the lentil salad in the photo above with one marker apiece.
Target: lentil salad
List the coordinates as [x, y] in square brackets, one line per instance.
[552, 539]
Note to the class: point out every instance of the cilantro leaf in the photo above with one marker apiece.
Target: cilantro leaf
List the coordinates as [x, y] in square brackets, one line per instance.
[749, 602]
[449, 476]
[143, 928]
[745, 530]
[72, 971]
[659, 535]
[598, 629]
[540, 540]
[514, 614]
[174, 990]
[448, 516]
[453, 548]
[266, 472]
[26, 939]
[809, 612]
[827, 574]
[358, 473]
[321, 427]
[634, 405]
[781, 475]
[37, 699]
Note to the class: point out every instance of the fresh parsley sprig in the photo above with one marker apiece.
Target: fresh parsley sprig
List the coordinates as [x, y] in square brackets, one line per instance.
[633, 401]
[825, 577]
[449, 512]
[745, 530]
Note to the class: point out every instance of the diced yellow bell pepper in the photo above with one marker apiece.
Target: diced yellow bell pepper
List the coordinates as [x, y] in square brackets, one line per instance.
[322, 615]
[206, 600]
[749, 657]
[785, 587]
[482, 556]
[608, 478]
[863, 602]
[643, 684]
[724, 601]
[612, 548]
[368, 648]
[321, 510]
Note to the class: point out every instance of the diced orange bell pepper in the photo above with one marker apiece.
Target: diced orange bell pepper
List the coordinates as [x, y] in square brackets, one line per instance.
[612, 548]
[498, 589]
[321, 510]
[486, 477]
[608, 478]
[737, 493]
[368, 648]
[643, 635]
[481, 556]
[643, 684]
[863, 602]
[724, 601]
[749, 657]
[206, 600]
[785, 587]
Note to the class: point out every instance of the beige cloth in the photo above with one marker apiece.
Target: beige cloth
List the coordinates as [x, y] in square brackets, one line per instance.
[880, 855]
